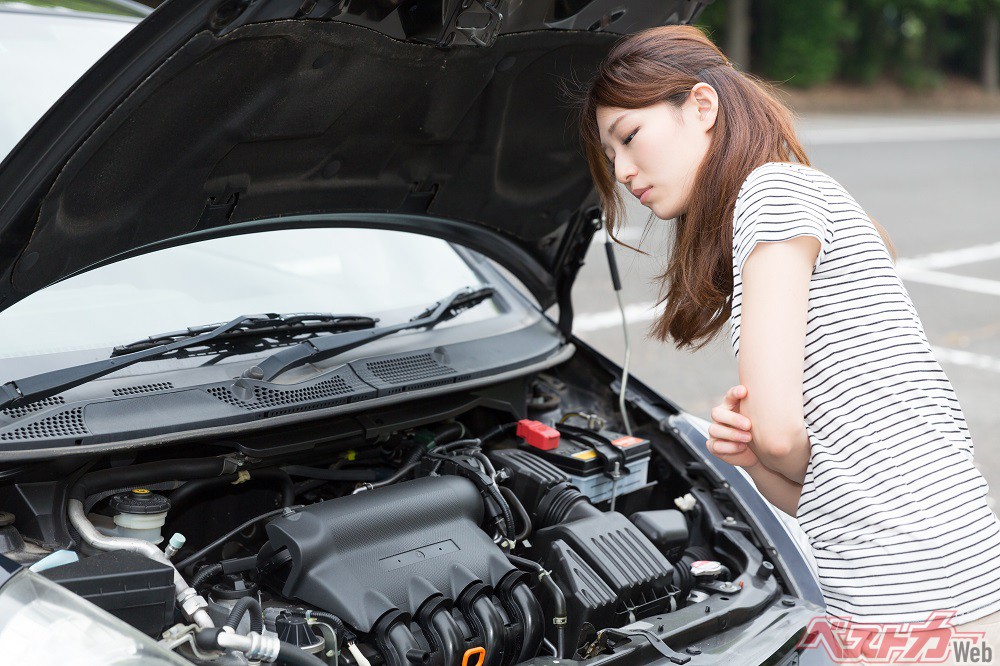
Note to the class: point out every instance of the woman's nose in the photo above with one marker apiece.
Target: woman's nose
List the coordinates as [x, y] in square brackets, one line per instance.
[624, 170]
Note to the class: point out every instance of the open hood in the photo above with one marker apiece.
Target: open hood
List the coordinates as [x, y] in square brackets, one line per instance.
[443, 117]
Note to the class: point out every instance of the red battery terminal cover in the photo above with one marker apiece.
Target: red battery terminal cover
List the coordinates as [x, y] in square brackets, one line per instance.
[537, 434]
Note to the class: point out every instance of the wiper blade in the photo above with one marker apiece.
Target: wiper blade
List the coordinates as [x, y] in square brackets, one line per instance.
[331, 345]
[46, 384]
[278, 326]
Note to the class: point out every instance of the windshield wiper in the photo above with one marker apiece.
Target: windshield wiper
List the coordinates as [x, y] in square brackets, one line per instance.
[276, 326]
[319, 348]
[46, 384]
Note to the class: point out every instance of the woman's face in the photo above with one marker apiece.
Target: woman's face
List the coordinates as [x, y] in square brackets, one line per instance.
[656, 150]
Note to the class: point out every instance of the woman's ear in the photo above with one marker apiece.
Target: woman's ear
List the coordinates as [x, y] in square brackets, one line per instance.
[706, 104]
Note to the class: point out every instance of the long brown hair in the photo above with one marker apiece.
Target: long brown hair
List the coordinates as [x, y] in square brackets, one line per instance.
[752, 128]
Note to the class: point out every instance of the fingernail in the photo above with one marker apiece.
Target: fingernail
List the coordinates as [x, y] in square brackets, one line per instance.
[745, 424]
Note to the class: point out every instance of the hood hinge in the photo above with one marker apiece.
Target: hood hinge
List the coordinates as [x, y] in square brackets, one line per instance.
[478, 21]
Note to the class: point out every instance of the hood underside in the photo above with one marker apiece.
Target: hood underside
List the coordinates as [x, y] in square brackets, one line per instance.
[188, 127]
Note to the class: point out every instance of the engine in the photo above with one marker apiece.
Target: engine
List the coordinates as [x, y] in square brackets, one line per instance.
[430, 547]
[410, 566]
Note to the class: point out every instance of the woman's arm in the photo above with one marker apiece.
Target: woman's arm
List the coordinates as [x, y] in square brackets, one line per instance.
[773, 316]
[728, 437]
[775, 488]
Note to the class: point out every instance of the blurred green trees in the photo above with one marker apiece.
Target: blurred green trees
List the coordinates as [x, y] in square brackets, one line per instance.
[807, 42]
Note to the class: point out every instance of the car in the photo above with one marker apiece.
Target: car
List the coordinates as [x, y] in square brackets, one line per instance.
[282, 376]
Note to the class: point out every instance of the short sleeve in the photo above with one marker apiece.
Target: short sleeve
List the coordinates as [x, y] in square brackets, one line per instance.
[779, 202]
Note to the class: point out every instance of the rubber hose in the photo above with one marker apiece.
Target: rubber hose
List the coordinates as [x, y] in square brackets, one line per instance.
[188, 561]
[205, 574]
[294, 656]
[499, 431]
[448, 432]
[182, 496]
[515, 503]
[553, 590]
[333, 621]
[154, 472]
[240, 608]
[332, 474]
[451, 446]
[508, 516]
[400, 473]
[60, 523]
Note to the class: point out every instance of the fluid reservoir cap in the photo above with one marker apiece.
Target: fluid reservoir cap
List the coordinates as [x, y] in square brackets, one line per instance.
[140, 501]
[706, 568]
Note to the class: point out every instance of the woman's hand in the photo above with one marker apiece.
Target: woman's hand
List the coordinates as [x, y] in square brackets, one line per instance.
[729, 434]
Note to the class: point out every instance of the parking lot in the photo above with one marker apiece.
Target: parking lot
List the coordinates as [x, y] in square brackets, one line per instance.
[932, 181]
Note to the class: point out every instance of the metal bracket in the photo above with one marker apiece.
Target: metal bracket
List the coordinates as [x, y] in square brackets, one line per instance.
[481, 35]
[653, 639]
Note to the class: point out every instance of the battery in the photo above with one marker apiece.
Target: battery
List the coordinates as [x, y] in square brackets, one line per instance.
[585, 465]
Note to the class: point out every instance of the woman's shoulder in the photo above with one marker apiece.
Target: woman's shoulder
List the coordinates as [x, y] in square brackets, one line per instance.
[776, 174]
[786, 181]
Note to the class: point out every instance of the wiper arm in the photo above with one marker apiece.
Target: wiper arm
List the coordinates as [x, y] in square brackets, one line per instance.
[285, 325]
[319, 348]
[46, 384]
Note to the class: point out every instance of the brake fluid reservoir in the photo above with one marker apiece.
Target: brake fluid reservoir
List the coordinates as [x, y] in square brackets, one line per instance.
[140, 514]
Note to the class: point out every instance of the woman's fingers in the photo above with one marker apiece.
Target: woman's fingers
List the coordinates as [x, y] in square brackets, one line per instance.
[725, 416]
[733, 397]
[724, 432]
[725, 448]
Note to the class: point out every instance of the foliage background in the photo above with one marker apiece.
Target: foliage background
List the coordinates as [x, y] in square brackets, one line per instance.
[916, 43]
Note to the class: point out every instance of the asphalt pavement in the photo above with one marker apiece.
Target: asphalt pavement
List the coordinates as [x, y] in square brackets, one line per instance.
[933, 182]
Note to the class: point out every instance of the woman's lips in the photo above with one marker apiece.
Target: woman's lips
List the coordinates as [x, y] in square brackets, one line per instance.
[643, 193]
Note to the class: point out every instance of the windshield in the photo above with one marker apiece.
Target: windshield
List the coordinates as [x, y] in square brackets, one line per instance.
[44, 48]
[387, 274]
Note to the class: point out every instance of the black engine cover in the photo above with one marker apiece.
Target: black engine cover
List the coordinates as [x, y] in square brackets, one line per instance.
[364, 555]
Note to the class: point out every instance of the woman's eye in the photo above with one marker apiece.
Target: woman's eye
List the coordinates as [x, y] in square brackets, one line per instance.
[628, 139]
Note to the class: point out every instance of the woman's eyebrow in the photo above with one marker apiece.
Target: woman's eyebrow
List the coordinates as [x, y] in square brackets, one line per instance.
[611, 129]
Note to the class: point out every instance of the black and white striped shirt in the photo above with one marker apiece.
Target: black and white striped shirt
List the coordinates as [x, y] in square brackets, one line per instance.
[895, 511]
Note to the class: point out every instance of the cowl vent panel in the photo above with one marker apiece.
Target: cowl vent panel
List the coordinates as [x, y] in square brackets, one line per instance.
[38, 405]
[336, 390]
[142, 388]
[405, 372]
[68, 423]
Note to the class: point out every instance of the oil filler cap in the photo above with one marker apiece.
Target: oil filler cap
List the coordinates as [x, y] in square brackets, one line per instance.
[140, 501]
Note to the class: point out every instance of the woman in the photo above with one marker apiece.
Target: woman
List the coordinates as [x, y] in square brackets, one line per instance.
[856, 430]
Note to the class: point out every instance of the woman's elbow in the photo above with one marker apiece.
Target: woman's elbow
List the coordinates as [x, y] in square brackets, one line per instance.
[779, 441]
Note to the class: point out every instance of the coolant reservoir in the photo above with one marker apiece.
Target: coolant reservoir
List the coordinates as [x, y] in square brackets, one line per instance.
[140, 514]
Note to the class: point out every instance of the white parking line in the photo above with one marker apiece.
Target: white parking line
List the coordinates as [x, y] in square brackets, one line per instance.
[923, 268]
[950, 258]
[887, 134]
[959, 357]
[952, 281]
[636, 313]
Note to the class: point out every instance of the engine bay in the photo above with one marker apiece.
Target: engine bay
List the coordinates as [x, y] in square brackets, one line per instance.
[517, 526]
